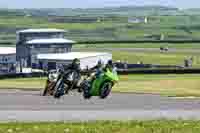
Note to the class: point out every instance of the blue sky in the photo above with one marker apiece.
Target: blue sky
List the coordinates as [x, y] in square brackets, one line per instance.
[95, 3]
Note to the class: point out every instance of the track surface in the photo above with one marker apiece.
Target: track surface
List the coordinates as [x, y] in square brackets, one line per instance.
[30, 106]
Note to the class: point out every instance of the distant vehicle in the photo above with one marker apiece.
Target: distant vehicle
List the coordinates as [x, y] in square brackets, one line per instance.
[100, 86]
[164, 49]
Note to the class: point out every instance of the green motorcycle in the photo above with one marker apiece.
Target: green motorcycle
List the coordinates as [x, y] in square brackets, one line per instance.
[100, 86]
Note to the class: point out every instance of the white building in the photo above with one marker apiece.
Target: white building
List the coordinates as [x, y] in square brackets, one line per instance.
[31, 42]
[7, 60]
[87, 59]
[138, 20]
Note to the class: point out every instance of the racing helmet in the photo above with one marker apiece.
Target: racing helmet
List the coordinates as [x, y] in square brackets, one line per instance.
[76, 61]
[110, 65]
[110, 62]
[100, 62]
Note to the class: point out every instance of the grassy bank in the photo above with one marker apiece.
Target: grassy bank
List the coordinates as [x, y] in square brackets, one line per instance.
[167, 85]
[172, 27]
[23, 83]
[141, 45]
[157, 126]
[173, 58]
[153, 57]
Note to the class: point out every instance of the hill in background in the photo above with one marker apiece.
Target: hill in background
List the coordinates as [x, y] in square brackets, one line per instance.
[124, 10]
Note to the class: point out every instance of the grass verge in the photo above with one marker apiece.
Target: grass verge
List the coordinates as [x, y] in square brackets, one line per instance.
[141, 45]
[156, 126]
[153, 57]
[167, 85]
[23, 83]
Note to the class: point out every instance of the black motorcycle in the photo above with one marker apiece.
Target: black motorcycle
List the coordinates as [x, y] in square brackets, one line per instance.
[66, 81]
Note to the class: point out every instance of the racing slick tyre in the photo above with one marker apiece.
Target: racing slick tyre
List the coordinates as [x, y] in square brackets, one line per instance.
[86, 90]
[59, 89]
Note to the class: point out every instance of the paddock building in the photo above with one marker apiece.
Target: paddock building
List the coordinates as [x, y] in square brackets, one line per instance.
[87, 59]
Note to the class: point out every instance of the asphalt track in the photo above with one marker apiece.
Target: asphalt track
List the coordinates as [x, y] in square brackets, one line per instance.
[30, 106]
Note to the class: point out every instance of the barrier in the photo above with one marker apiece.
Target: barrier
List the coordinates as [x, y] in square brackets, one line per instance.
[22, 75]
[135, 66]
[120, 72]
[159, 71]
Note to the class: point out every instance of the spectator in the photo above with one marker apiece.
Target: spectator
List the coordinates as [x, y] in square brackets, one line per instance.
[192, 58]
[191, 61]
[188, 63]
[87, 68]
[126, 65]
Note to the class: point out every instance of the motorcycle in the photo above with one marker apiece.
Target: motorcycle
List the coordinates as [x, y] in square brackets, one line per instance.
[60, 82]
[100, 86]
[67, 81]
[50, 83]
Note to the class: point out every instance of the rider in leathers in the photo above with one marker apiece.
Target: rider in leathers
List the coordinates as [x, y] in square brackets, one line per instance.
[74, 66]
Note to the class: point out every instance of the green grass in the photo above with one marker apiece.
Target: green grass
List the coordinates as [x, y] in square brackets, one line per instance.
[167, 25]
[156, 126]
[175, 58]
[141, 45]
[152, 57]
[166, 85]
[44, 23]
[23, 83]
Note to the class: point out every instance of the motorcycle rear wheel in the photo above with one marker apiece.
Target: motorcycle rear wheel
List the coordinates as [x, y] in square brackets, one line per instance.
[86, 91]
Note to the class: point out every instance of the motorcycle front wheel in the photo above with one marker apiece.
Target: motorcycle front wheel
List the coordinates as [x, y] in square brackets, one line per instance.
[59, 88]
[105, 90]
[49, 88]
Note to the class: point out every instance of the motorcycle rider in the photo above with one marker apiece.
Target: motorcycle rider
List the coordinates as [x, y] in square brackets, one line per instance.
[109, 66]
[74, 66]
[98, 85]
[98, 68]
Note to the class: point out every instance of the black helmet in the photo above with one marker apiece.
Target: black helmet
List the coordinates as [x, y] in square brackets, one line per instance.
[99, 62]
[76, 61]
[110, 62]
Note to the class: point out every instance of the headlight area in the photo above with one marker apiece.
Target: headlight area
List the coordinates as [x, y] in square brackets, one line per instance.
[53, 77]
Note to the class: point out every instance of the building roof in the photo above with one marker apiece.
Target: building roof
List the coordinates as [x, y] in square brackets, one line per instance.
[49, 41]
[7, 50]
[69, 56]
[40, 30]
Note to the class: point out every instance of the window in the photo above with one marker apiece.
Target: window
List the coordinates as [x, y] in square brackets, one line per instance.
[32, 36]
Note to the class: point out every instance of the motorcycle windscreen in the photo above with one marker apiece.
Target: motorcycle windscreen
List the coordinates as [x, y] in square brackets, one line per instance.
[112, 76]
